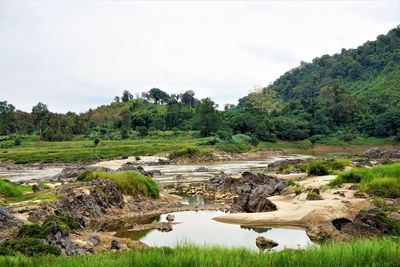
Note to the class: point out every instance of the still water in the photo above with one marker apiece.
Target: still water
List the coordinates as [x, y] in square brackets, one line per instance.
[198, 227]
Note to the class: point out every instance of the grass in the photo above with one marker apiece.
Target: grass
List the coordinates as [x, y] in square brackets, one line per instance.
[381, 181]
[9, 189]
[85, 151]
[14, 193]
[129, 182]
[189, 152]
[368, 252]
[81, 149]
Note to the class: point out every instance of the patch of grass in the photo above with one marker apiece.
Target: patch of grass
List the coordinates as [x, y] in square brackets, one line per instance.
[9, 189]
[290, 182]
[381, 181]
[366, 252]
[129, 182]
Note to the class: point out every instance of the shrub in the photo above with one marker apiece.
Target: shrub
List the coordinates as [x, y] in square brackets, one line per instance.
[28, 247]
[290, 182]
[241, 138]
[52, 225]
[189, 152]
[339, 163]
[317, 168]
[96, 141]
[224, 135]
[17, 141]
[142, 130]
[128, 182]
[233, 148]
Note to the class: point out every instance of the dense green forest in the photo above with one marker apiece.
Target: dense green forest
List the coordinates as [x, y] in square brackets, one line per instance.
[354, 92]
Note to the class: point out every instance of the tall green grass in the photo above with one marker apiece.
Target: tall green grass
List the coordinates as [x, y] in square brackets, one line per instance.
[9, 189]
[129, 182]
[369, 252]
[379, 180]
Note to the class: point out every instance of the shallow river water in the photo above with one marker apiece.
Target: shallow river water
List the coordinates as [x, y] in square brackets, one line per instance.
[198, 227]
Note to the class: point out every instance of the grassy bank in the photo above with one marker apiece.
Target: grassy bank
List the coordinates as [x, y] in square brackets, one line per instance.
[167, 143]
[378, 252]
[129, 182]
[382, 181]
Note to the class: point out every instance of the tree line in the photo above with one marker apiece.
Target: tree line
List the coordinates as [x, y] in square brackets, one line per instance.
[353, 92]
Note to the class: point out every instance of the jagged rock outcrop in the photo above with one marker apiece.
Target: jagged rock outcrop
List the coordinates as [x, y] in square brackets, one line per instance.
[8, 220]
[377, 153]
[264, 243]
[72, 172]
[251, 190]
[102, 195]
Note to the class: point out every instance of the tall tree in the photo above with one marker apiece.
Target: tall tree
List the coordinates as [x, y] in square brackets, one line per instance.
[39, 113]
[7, 118]
[206, 118]
[126, 96]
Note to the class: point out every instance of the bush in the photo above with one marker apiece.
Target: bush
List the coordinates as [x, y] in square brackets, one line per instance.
[96, 141]
[224, 135]
[339, 163]
[17, 141]
[142, 130]
[28, 247]
[233, 148]
[241, 138]
[188, 152]
[318, 168]
[52, 225]
[128, 182]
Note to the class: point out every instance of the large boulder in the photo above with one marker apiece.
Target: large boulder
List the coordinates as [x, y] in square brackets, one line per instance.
[256, 201]
[377, 153]
[72, 172]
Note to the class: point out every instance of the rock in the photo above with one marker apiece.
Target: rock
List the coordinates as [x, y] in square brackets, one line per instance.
[70, 173]
[394, 215]
[313, 196]
[340, 193]
[115, 245]
[165, 227]
[93, 240]
[373, 153]
[36, 188]
[170, 218]
[264, 243]
[102, 195]
[180, 177]
[339, 222]
[7, 219]
[367, 223]
[257, 201]
[201, 169]
[359, 195]
[376, 153]
[320, 233]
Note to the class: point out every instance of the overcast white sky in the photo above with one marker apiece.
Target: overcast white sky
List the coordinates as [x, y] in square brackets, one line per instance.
[73, 55]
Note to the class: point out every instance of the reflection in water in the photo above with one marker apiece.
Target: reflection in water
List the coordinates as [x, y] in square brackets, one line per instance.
[200, 229]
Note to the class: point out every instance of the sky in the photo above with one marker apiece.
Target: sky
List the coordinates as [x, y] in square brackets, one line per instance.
[75, 55]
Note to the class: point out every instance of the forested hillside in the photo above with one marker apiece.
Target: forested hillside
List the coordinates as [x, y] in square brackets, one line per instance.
[354, 92]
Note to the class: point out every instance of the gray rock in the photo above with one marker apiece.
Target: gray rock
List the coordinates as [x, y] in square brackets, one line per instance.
[93, 240]
[36, 188]
[7, 219]
[201, 169]
[170, 218]
[115, 245]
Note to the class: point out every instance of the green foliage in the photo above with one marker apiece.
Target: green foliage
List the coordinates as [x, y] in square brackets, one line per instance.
[189, 152]
[383, 252]
[379, 180]
[206, 118]
[318, 168]
[142, 130]
[129, 182]
[52, 225]
[96, 141]
[9, 189]
[27, 247]
[290, 182]
[233, 148]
